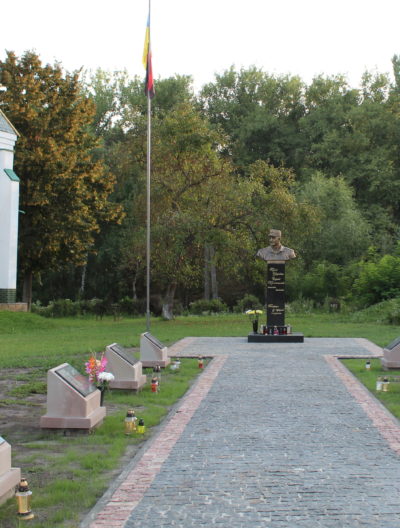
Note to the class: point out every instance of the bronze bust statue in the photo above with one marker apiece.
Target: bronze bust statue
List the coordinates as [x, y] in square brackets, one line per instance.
[275, 250]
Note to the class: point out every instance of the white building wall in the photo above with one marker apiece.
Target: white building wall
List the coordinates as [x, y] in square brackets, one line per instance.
[9, 202]
[9, 209]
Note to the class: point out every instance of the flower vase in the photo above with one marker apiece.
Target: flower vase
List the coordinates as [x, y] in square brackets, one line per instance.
[255, 327]
[102, 390]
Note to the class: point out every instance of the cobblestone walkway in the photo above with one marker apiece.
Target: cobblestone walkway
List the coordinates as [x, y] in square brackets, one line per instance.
[275, 435]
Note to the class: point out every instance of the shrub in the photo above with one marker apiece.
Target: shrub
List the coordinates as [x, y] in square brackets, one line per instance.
[131, 306]
[378, 281]
[248, 302]
[203, 307]
[57, 308]
[386, 312]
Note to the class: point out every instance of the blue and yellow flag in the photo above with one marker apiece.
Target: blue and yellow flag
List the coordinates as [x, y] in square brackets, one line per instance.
[146, 59]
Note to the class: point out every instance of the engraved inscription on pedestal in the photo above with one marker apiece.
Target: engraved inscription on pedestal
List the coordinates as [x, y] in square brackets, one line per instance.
[275, 294]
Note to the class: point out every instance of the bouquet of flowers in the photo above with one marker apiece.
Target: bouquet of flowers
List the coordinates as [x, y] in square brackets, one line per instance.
[94, 367]
[254, 314]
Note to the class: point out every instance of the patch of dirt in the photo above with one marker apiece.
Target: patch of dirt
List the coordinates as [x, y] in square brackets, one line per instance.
[20, 427]
[20, 416]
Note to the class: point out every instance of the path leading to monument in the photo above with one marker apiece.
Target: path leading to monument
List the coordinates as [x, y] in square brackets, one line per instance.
[270, 435]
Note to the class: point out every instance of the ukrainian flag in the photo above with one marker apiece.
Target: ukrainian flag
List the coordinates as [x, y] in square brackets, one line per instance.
[146, 60]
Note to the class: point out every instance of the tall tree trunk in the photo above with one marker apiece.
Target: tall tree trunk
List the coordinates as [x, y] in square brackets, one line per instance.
[83, 281]
[207, 287]
[134, 282]
[134, 291]
[213, 272]
[168, 304]
[27, 289]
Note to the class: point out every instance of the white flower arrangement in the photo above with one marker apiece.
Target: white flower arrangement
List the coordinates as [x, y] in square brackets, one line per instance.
[105, 378]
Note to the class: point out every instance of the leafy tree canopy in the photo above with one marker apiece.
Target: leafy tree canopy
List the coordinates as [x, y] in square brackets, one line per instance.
[63, 192]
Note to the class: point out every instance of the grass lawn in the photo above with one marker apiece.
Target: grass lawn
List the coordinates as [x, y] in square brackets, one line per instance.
[59, 468]
[391, 398]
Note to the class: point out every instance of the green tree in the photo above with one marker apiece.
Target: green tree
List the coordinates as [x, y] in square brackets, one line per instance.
[64, 192]
[343, 233]
[260, 115]
[354, 134]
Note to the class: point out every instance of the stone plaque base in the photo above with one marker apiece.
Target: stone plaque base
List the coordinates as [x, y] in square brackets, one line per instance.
[90, 421]
[154, 363]
[8, 481]
[9, 476]
[128, 383]
[295, 337]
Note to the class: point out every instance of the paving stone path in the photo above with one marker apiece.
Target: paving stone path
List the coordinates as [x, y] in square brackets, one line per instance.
[275, 435]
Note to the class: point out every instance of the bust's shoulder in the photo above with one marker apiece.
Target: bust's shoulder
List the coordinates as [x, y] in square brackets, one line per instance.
[288, 252]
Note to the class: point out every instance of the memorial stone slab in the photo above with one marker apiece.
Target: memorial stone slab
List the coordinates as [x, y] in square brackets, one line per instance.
[127, 370]
[391, 355]
[9, 476]
[72, 401]
[152, 352]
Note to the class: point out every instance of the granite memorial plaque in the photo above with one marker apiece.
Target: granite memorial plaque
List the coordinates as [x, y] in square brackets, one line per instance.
[127, 370]
[72, 401]
[120, 351]
[78, 381]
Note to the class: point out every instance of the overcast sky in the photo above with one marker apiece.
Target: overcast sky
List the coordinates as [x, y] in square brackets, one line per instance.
[204, 37]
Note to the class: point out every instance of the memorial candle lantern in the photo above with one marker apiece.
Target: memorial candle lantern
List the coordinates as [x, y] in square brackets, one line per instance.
[379, 384]
[368, 365]
[130, 422]
[154, 384]
[175, 365]
[200, 362]
[385, 385]
[141, 428]
[23, 496]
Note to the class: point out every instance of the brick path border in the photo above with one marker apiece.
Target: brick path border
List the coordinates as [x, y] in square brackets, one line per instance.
[382, 419]
[137, 481]
[135, 484]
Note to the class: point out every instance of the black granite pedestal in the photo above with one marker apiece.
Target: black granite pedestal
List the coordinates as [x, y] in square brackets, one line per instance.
[276, 330]
[295, 337]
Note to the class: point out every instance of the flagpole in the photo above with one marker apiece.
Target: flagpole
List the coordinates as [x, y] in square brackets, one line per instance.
[148, 185]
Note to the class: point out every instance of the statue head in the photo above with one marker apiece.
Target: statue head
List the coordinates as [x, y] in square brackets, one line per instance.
[274, 238]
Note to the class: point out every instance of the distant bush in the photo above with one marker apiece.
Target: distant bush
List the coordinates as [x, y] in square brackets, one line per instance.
[300, 306]
[248, 302]
[203, 307]
[58, 308]
[68, 308]
[378, 281]
[385, 312]
[131, 306]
